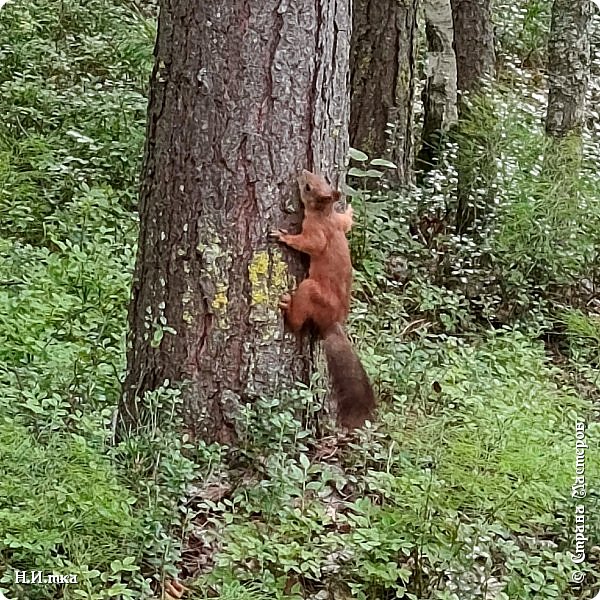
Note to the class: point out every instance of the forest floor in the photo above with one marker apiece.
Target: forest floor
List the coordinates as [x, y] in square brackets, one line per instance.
[461, 489]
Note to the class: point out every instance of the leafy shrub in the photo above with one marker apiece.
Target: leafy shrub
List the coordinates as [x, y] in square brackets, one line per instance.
[521, 30]
[72, 82]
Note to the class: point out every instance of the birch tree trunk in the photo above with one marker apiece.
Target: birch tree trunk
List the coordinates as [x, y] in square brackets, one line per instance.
[382, 67]
[439, 94]
[243, 95]
[568, 66]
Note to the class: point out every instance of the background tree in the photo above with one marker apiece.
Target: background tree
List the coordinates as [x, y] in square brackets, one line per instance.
[568, 66]
[475, 59]
[439, 93]
[473, 42]
[242, 96]
[382, 66]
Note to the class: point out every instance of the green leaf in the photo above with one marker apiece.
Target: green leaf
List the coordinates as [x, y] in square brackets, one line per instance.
[356, 172]
[350, 191]
[304, 461]
[381, 162]
[315, 485]
[115, 566]
[157, 337]
[374, 173]
[35, 408]
[357, 155]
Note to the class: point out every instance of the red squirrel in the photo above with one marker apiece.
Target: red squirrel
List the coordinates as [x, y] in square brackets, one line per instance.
[323, 298]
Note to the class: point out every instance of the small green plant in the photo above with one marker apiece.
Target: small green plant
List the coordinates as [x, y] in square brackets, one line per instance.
[521, 29]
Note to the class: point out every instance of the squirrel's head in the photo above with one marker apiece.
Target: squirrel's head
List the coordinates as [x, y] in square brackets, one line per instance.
[315, 192]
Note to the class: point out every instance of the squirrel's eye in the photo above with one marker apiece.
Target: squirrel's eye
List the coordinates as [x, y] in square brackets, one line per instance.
[307, 188]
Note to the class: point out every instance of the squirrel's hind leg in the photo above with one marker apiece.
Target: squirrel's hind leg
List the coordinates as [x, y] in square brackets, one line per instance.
[307, 303]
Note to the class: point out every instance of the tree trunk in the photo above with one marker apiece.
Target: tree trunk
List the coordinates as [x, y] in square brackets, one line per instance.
[475, 59]
[382, 66]
[242, 96]
[568, 66]
[439, 94]
[473, 42]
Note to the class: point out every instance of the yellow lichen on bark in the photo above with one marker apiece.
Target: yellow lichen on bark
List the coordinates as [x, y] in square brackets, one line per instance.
[268, 278]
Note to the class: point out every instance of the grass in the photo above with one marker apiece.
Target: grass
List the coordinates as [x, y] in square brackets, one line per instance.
[62, 508]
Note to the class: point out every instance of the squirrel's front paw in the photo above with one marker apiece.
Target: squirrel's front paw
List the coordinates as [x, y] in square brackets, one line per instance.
[278, 233]
[285, 301]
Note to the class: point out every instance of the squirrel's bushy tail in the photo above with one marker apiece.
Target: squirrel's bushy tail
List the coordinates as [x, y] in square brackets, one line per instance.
[351, 386]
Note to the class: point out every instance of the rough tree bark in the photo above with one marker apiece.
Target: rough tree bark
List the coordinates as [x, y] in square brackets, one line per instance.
[473, 42]
[382, 66]
[439, 93]
[568, 66]
[475, 59]
[242, 96]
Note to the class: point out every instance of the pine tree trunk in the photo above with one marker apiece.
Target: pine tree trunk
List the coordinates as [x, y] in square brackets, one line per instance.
[473, 42]
[243, 95]
[439, 94]
[475, 59]
[568, 66]
[382, 66]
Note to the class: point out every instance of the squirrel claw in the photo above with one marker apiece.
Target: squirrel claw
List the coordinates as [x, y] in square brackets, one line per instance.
[278, 233]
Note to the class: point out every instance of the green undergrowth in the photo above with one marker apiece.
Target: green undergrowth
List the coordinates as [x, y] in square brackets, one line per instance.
[72, 98]
[73, 77]
[471, 491]
[534, 242]
[63, 510]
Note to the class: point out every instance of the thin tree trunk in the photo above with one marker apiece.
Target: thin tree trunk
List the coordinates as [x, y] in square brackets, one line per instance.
[382, 66]
[473, 42]
[568, 66]
[475, 59]
[243, 95]
[439, 94]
